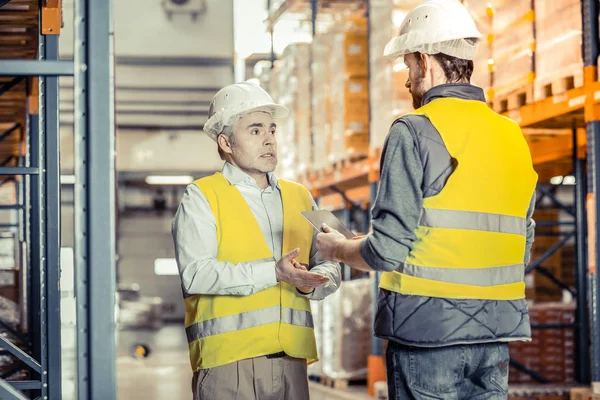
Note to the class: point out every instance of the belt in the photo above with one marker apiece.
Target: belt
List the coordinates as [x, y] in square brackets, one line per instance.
[281, 354]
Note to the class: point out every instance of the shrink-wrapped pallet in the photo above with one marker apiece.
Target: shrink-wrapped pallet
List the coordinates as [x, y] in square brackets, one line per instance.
[316, 307]
[321, 100]
[388, 95]
[293, 87]
[558, 50]
[349, 92]
[347, 330]
[512, 46]
[481, 13]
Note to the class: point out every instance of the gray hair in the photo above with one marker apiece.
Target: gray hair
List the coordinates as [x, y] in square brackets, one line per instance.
[228, 131]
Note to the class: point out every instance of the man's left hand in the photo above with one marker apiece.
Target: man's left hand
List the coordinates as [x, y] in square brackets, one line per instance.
[327, 243]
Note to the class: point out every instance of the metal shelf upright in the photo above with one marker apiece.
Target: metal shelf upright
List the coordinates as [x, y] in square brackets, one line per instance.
[590, 14]
[39, 203]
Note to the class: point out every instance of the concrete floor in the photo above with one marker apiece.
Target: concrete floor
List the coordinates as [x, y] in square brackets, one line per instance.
[166, 373]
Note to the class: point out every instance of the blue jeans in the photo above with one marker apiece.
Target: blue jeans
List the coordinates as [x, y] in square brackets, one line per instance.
[475, 372]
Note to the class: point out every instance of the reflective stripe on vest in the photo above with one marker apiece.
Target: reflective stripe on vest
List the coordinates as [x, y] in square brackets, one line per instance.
[250, 319]
[473, 276]
[458, 219]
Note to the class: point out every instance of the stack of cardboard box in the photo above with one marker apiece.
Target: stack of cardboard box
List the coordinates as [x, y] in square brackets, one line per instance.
[551, 353]
[482, 14]
[321, 101]
[349, 91]
[389, 98]
[512, 46]
[557, 36]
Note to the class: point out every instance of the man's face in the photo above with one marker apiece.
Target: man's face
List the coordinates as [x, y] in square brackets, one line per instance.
[254, 147]
[415, 82]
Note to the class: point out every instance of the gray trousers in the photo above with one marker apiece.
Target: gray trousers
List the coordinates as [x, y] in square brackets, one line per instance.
[257, 378]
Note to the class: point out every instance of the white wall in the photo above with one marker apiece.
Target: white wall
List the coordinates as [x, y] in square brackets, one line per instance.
[143, 237]
[166, 151]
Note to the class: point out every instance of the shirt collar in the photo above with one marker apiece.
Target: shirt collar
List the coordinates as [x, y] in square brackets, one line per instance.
[462, 91]
[236, 176]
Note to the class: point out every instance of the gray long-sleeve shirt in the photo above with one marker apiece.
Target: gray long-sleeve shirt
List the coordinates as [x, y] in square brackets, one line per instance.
[195, 237]
[402, 185]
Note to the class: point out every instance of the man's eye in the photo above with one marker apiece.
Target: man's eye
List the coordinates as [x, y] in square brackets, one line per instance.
[272, 131]
[254, 132]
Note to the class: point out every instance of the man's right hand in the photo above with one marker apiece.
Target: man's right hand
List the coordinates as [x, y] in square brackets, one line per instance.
[286, 272]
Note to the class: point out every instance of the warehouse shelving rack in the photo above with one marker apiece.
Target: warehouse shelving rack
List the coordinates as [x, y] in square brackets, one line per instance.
[355, 186]
[37, 174]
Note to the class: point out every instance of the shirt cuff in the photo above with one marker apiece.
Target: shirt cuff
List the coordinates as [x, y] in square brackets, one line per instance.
[263, 274]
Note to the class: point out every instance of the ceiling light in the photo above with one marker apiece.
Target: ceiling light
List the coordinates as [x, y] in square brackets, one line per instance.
[169, 179]
[556, 180]
[569, 180]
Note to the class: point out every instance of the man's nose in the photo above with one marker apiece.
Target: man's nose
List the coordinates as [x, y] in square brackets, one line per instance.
[270, 140]
[407, 84]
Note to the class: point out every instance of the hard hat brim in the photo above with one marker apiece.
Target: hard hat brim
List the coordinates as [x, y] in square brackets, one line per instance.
[277, 111]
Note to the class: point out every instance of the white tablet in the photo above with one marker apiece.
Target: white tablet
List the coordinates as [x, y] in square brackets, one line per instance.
[320, 217]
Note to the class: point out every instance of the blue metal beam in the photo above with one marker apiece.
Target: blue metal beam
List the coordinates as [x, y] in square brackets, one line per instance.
[536, 263]
[51, 189]
[10, 207]
[95, 204]
[593, 137]
[26, 385]
[582, 355]
[17, 352]
[5, 134]
[34, 239]
[7, 392]
[554, 200]
[36, 68]
[7, 86]
[7, 226]
[7, 160]
[19, 171]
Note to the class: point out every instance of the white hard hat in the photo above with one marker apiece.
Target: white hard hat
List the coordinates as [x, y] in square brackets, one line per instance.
[436, 26]
[234, 101]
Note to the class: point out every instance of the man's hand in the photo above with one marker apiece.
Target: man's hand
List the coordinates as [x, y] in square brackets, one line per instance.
[305, 290]
[286, 271]
[327, 243]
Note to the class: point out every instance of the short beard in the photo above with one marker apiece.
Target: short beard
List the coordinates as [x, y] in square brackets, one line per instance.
[417, 92]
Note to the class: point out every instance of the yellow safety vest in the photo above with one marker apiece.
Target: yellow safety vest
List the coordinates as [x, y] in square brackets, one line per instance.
[225, 329]
[470, 242]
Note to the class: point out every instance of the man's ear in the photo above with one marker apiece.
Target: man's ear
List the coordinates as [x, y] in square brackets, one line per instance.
[425, 63]
[224, 144]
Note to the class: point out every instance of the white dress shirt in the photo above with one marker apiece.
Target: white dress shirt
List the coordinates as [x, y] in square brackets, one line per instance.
[195, 236]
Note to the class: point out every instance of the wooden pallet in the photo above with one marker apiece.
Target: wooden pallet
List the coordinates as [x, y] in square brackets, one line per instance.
[514, 99]
[546, 89]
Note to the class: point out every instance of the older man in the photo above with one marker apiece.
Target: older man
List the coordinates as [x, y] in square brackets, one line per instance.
[248, 261]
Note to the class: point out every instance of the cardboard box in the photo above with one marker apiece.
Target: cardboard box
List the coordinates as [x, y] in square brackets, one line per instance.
[581, 394]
